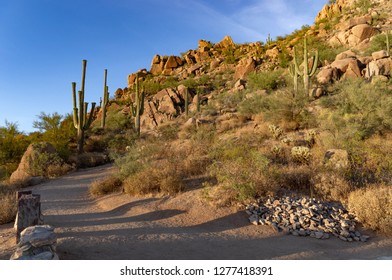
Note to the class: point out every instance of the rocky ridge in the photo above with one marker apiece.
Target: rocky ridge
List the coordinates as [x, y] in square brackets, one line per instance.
[343, 23]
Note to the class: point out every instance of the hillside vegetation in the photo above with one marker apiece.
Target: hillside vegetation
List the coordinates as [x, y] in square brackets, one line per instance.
[307, 114]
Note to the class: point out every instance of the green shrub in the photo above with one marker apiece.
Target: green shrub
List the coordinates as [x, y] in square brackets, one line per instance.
[240, 170]
[268, 80]
[357, 111]
[287, 109]
[378, 43]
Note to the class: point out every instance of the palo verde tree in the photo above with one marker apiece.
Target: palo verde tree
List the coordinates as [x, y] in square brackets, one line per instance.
[80, 119]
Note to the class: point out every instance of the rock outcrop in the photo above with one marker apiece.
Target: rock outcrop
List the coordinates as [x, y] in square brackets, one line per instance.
[35, 160]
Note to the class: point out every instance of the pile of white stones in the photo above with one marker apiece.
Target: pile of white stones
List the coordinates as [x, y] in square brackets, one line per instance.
[305, 217]
[36, 243]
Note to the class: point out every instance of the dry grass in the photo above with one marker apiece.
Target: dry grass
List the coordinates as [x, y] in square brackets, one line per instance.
[166, 179]
[373, 207]
[8, 207]
[107, 185]
[57, 170]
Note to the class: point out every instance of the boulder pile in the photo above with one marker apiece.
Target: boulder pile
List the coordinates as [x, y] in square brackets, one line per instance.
[36, 243]
[306, 217]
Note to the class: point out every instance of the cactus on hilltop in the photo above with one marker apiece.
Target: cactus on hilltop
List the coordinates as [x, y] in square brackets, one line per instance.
[137, 108]
[306, 73]
[105, 99]
[268, 41]
[80, 119]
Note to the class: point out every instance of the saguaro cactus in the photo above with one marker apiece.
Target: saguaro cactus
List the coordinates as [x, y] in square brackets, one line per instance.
[81, 122]
[187, 102]
[295, 75]
[138, 109]
[105, 99]
[306, 73]
[388, 46]
[268, 41]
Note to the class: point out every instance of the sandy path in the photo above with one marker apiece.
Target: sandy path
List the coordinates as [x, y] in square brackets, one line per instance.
[183, 227]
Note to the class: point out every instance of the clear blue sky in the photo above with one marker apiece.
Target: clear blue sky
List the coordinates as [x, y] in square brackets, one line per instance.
[43, 42]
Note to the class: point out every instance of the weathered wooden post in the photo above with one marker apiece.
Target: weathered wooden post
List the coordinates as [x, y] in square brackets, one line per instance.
[29, 211]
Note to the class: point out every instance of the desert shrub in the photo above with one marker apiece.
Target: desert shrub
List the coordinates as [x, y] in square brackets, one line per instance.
[229, 99]
[373, 207]
[357, 111]
[268, 80]
[8, 207]
[330, 185]
[47, 164]
[293, 178]
[168, 131]
[240, 170]
[91, 159]
[154, 180]
[378, 43]
[117, 120]
[363, 5]
[171, 184]
[118, 142]
[130, 163]
[107, 185]
[252, 105]
[287, 109]
[143, 182]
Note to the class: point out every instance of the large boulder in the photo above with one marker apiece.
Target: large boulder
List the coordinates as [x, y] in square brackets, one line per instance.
[342, 64]
[244, 67]
[361, 32]
[34, 163]
[354, 69]
[328, 75]
[225, 43]
[379, 67]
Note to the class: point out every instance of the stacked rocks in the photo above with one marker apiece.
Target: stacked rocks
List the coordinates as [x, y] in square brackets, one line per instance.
[36, 243]
[306, 217]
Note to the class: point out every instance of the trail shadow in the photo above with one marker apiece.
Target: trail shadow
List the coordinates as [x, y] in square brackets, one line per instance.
[109, 220]
[228, 222]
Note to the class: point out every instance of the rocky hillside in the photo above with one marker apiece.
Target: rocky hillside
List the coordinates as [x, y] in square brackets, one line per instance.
[347, 27]
[308, 114]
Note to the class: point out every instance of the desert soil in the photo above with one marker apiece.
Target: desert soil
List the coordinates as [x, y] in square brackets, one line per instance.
[181, 227]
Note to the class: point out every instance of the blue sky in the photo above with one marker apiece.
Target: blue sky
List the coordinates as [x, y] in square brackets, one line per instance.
[43, 42]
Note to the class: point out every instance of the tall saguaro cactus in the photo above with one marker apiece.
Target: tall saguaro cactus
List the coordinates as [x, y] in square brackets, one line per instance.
[388, 46]
[306, 73]
[80, 120]
[105, 99]
[138, 109]
[295, 75]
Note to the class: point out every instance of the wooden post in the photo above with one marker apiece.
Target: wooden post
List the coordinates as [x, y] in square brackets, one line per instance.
[29, 211]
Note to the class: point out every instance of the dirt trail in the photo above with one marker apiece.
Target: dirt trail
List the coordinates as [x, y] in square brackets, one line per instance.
[181, 227]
